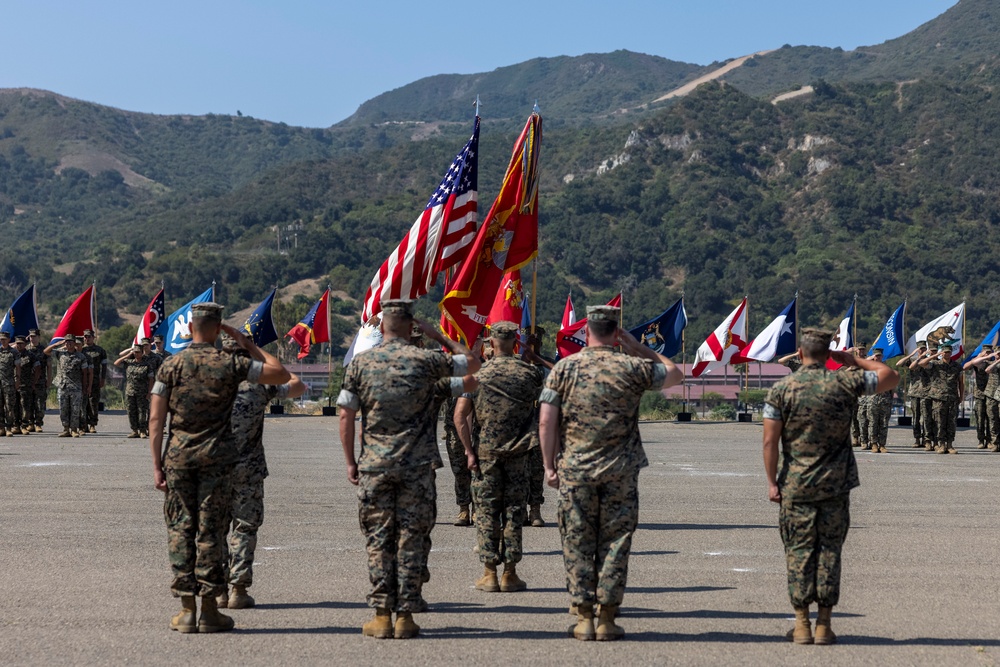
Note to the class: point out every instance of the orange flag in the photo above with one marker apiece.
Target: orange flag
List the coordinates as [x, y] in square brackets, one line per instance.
[507, 240]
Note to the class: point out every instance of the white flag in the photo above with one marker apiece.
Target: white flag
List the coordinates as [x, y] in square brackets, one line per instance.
[947, 327]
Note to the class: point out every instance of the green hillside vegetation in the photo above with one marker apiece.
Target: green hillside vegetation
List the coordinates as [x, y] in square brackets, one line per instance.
[581, 87]
[965, 35]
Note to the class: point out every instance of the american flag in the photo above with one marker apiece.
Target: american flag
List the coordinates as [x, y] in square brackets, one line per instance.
[437, 239]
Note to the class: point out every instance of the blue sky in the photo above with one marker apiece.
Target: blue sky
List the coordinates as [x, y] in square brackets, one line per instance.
[312, 62]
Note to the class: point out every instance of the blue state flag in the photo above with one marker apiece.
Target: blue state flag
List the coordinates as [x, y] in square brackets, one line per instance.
[991, 339]
[891, 340]
[176, 330]
[22, 315]
[662, 334]
[260, 326]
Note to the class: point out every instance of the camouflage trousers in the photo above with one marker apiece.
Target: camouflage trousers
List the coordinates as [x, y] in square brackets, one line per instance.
[813, 535]
[396, 510]
[71, 408]
[28, 405]
[856, 425]
[138, 411]
[916, 412]
[246, 515]
[993, 419]
[877, 422]
[41, 403]
[596, 523]
[939, 420]
[457, 459]
[92, 404]
[499, 493]
[536, 477]
[983, 435]
[9, 401]
[195, 510]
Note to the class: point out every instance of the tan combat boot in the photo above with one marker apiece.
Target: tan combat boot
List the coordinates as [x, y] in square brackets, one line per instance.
[981, 445]
[940, 449]
[802, 632]
[64, 434]
[883, 449]
[38, 429]
[75, 433]
[463, 518]
[917, 444]
[535, 516]
[510, 582]
[133, 434]
[405, 627]
[584, 628]
[240, 599]
[93, 429]
[222, 599]
[211, 619]
[930, 446]
[488, 582]
[3, 433]
[31, 428]
[379, 627]
[606, 628]
[186, 620]
[950, 447]
[824, 635]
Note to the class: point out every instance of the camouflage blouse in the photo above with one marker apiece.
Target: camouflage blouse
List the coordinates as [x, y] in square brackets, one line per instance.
[597, 391]
[200, 386]
[71, 368]
[248, 424]
[137, 376]
[505, 406]
[942, 380]
[394, 387]
[815, 406]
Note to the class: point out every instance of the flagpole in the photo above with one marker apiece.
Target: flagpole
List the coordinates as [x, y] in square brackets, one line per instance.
[854, 323]
[329, 348]
[534, 283]
[966, 393]
[687, 389]
[796, 320]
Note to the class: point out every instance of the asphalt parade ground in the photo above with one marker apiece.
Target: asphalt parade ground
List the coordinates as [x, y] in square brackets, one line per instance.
[84, 577]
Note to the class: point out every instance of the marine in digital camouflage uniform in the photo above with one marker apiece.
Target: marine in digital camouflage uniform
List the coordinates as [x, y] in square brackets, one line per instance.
[859, 408]
[807, 417]
[504, 406]
[945, 387]
[879, 409]
[456, 455]
[247, 506]
[590, 407]
[139, 376]
[791, 361]
[73, 383]
[98, 357]
[916, 391]
[393, 386]
[40, 391]
[536, 467]
[981, 380]
[30, 366]
[197, 388]
[10, 382]
[990, 393]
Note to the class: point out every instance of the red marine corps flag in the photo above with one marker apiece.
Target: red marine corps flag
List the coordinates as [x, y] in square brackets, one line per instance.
[81, 315]
[507, 240]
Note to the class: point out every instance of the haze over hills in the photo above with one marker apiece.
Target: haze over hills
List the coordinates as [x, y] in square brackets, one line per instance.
[882, 182]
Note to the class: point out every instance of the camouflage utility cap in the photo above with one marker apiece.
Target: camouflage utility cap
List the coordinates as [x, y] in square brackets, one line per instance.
[4, 335]
[34, 332]
[400, 307]
[137, 348]
[158, 338]
[88, 332]
[504, 330]
[20, 339]
[69, 338]
[987, 348]
[603, 313]
[206, 309]
[814, 336]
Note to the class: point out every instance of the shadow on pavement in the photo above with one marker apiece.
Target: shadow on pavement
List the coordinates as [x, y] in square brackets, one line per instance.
[313, 605]
[717, 613]
[328, 630]
[699, 526]
[488, 632]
